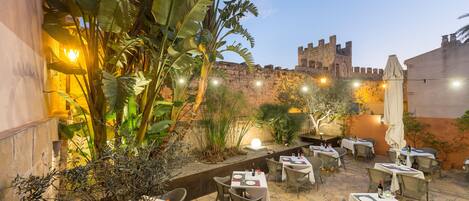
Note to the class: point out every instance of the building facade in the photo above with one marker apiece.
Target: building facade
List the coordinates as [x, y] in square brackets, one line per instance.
[438, 80]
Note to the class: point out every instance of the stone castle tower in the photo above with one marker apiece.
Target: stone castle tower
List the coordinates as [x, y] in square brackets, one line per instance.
[328, 58]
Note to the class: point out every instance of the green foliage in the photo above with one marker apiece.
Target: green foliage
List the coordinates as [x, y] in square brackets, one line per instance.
[413, 129]
[323, 104]
[463, 122]
[220, 111]
[283, 126]
[125, 173]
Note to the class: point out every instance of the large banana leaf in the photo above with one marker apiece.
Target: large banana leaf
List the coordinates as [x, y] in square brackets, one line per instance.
[117, 90]
[185, 15]
[115, 15]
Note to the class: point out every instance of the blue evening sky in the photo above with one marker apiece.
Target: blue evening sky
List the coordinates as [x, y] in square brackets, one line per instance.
[377, 28]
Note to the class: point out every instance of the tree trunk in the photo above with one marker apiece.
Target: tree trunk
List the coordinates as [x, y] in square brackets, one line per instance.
[203, 81]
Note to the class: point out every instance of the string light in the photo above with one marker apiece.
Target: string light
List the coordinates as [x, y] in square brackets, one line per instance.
[258, 83]
[181, 81]
[356, 84]
[323, 80]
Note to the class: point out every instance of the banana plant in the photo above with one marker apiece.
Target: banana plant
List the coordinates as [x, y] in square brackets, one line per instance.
[463, 32]
[128, 49]
[222, 21]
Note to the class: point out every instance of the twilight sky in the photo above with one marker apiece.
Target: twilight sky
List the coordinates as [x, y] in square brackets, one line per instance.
[376, 28]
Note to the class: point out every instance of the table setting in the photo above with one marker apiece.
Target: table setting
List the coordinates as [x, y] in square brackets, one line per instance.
[349, 144]
[325, 150]
[415, 152]
[254, 182]
[299, 163]
[387, 196]
[395, 169]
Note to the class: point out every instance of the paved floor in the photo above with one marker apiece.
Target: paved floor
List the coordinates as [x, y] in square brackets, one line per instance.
[452, 186]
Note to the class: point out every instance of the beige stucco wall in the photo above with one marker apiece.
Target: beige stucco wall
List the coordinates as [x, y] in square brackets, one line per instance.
[436, 98]
[26, 130]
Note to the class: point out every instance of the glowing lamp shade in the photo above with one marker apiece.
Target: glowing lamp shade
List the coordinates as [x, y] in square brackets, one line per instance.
[256, 143]
[72, 54]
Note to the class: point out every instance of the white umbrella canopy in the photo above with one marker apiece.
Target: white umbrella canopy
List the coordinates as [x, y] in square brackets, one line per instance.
[393, 104]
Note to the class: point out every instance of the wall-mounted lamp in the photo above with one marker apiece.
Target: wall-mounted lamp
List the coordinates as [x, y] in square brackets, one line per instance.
[323, 80]
[356, 84]
[72, 54]
[258, 83]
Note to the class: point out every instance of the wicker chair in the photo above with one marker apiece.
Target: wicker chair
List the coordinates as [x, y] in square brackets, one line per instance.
[178, 194]
[373, 141]
[235, 196]
[342, 152]
[223, 188]
[364, 151]
[413, 187]
[376, 176]
[392, 156]
[428, 165]
[306, 151]
[275, 169]
[297, 179]
[317, 165]
[429, 150]
[329, 162]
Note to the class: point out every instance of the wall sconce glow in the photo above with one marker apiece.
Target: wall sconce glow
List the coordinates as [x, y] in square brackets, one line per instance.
[258, 83]
[323, 80]
[215, 82]
[72, 55]
[256, 145]
[456, 84]
[384, 85]
[356, 84]
[304, 89]
[181, 81]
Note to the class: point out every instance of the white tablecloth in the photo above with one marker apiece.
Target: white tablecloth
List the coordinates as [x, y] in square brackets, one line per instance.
[328, 151]
[466, 162]
[307, 167]
[254, 191]
[348, 144]
[395, 170]
[416, 152]
[357, 196]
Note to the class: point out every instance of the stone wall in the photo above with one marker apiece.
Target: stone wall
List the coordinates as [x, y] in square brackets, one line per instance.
[27, 150]
[26, 130]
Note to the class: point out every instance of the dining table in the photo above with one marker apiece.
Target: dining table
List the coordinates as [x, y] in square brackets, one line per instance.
[415, 152]
[349, 144]
[300, 163]
[325, 150]
[395, 170]
[369, 197]
[255, 185]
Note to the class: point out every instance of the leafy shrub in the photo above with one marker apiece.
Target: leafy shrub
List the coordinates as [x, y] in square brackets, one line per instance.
[122, 174]
[284, 126]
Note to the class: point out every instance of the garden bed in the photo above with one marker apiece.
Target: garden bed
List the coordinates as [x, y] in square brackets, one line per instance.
[197, 176]
[316, 139]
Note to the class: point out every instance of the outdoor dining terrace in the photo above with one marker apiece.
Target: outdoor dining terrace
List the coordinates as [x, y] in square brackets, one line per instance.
[177, 100]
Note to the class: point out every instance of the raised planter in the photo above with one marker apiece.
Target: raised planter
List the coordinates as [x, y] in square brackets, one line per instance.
[317, 139]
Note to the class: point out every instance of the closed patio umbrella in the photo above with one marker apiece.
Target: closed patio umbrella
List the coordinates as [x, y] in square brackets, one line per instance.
[393, 104]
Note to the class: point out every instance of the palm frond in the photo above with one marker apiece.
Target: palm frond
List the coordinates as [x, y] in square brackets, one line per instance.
[463, 16]
[242, 52]
[245, 34]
